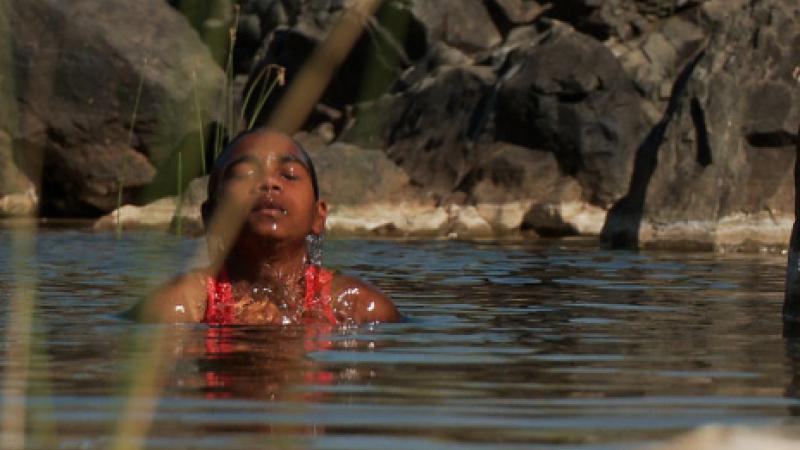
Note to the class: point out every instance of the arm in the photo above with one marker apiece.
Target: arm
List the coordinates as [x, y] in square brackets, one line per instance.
[369, 303]
[181, 300]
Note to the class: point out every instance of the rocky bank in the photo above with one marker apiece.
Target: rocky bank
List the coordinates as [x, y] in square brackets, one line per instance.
[650, 123]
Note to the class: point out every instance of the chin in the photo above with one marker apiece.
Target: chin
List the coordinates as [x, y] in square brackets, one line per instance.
[270, 230]
[264, 229]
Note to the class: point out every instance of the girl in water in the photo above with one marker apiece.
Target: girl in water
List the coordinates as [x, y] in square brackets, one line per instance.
[262, 211]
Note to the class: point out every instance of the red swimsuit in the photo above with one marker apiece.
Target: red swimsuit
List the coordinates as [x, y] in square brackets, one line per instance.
[220, 302]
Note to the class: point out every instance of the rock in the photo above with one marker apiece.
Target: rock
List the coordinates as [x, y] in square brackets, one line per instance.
[440, 54]
[685, 36]
[507, 173]
[523, 35]
[552, 201]
[600, 19]
[719, 164]
[163, 213]
[377, 59]
[191, 203]
[504, 217]
[655, 60]
[158, 214]
[18, 194]
[714, 437]
[564, 219]
[664, 8]
[432, 130]
[350, 175]
[19, 205]
[400, 34]
[570, 96]
[93, 173]
[248, 32]
[440, 121]
[515, 12]
[659, 50]
[78, 66]
[388, 219]
[463, 24]
[408, 219]
[466, 221]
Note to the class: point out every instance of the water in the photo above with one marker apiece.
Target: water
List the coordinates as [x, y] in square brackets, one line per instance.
[557, 345]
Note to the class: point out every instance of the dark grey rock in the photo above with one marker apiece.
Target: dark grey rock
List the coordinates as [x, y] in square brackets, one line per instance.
[724, 147]
[379, 57]
[570, 96]
[352, 175]
[599, 18]
[77, 67]
[464, 24]
[433, 130]
[508, 173]
[510, 14]
[439, 125]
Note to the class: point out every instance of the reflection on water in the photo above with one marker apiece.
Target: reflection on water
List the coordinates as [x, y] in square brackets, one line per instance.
[507, 346]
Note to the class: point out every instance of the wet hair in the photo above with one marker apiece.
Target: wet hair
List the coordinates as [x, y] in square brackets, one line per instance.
[219, 164]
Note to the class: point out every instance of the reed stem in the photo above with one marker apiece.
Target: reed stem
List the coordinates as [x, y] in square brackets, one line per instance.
[230, 116]
[136, 105]
[262, 100]
[178, 215]
[19, 336]
[134, 113]
[199, 124]
[119, 209]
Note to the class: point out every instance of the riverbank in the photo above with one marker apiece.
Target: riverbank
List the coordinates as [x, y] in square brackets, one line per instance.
[644, 124]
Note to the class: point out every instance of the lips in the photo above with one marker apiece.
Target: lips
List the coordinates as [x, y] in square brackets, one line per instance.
[269, 206]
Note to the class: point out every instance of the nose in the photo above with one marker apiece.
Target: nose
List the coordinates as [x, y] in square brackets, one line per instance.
[270, 182]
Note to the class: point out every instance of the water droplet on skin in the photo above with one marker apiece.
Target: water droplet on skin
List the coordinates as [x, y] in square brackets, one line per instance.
[180, 309]
[314, 249]
[371, 306]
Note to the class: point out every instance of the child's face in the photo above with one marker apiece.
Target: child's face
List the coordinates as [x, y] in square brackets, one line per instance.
[265, 178]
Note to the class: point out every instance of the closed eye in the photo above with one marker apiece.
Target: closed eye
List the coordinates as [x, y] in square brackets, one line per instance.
[242, 169]
[291, 171]
[290, 176]
[240, 173]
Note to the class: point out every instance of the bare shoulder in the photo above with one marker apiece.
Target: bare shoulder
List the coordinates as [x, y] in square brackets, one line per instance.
[370, 304]
[182, 299]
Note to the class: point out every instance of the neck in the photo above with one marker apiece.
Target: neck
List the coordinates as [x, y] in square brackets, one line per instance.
[259, 261]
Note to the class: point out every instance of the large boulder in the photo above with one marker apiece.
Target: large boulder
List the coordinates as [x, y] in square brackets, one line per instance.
[567, 94]
[716, 172]
[435, 129]
[656, 59]
[464, 24]
[522, 189]
[369, 194]
[601, 19]
[400, 34]
[387, 46]
[510, 13]
[718, 437]
[72, 72]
